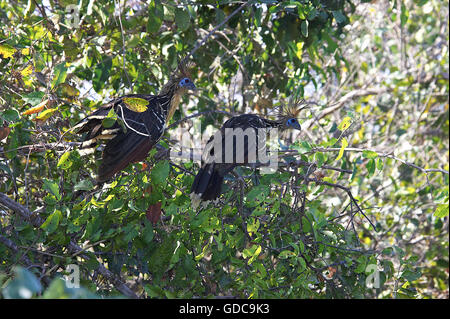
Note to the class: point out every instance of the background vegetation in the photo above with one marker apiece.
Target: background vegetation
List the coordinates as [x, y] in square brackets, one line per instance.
[357, 209]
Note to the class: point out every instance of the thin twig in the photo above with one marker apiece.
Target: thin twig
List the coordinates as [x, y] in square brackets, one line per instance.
[205, 38]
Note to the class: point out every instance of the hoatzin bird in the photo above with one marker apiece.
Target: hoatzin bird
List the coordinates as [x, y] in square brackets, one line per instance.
[132, 136]
[208, 182]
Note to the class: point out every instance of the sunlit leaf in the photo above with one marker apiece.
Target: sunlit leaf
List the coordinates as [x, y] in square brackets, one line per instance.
[59, 74]
[370, 154]
[441, 211]
[7, 51]
[345, 124]
[45, 115]
[135, 104]
[51, 223]
[344, 144]
[38, 108]
[27, 71]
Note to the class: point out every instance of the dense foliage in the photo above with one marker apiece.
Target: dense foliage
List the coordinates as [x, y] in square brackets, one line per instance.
[358, 207]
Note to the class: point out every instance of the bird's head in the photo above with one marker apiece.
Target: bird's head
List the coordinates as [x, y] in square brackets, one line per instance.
[186, 84]
[288, 114]
[182, 77]
[180, 81]
[293, 123]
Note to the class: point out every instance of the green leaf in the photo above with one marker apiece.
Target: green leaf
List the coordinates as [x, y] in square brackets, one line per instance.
[101, 74]
[441, 211]
[160, 172]
[84, 185]
[313, 14]
[304, 28]
[52, 188]
[52, 222]
[59, 74]
[371, 167]
[370, 154]
[380, 164]
[320, 158]
[182, 19]
[34, 98]
[340, 18]
[304, 147]
[403, 14]
[411, 275]
[252, 253]
[64, 162]
[257, 193]
[23, 286]
[252, 227]
[302, 263]
[11, 115]
[110, 119]
[286, 254]
[155, 16]
[329, 143]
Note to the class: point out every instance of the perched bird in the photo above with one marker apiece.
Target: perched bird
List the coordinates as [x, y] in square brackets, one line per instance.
[208, 182]
[140, 121]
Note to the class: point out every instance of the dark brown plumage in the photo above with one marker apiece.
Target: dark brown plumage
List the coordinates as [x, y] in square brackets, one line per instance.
[208, 182]
[133, 135]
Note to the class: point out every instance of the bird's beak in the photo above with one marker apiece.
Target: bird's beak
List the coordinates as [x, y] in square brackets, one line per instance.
[191, 86]
[297, 126]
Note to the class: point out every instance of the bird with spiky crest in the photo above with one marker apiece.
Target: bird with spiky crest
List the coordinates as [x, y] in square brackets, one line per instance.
[252, 129]
[132, 124]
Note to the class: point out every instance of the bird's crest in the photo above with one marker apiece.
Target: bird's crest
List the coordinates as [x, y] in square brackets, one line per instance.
[291, 109]
[183, 69]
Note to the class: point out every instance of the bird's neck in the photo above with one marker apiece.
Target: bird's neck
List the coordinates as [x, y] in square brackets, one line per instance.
[173, 96]
[173, 104]
[273, 123]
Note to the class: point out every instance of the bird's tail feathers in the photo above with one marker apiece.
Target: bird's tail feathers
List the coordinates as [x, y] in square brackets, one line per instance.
[207, 184]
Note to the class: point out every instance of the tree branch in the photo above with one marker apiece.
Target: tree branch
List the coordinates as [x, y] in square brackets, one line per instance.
[37, 221]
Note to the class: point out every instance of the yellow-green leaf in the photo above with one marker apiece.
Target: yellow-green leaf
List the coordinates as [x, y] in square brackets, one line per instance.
[299, 52]
[370, 154]
[135, 104]
[45, 115]
[344, 144]
[63, 161]
[345, 124]
[441, 211]
[7, 51]
[27, 71]
[25, 51]
[52, 222]
[59, 74]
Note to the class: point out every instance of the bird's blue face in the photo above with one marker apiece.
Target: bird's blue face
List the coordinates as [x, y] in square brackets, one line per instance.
[293, 123]
[187, 83]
